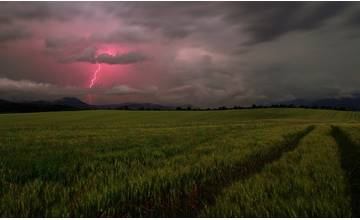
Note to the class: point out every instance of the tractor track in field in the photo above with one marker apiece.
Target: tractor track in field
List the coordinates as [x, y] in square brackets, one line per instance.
[245, 170]
[204, 193]
[350, 153]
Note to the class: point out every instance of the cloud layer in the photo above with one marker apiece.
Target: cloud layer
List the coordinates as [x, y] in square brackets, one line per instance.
[199, 53]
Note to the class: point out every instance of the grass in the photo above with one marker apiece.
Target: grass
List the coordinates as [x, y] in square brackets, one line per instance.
[348, 140]
[306, 182]
[234, 163]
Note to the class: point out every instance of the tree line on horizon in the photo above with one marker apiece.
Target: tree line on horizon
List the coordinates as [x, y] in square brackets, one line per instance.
[9, 107]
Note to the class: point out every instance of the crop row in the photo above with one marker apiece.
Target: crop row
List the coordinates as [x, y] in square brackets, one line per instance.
[306, 182]
[170, 178]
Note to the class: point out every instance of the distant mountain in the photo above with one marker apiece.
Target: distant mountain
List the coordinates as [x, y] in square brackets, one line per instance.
[36, 106]
[135, 106]
[71, 103]
[352, 103]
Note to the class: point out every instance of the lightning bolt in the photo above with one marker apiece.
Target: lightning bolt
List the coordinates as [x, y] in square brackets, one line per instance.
[95, 74]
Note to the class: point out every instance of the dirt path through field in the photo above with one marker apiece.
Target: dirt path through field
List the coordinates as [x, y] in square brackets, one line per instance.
[207, 195]
[350, 154]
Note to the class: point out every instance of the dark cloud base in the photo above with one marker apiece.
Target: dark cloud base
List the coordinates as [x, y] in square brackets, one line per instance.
[199, 53]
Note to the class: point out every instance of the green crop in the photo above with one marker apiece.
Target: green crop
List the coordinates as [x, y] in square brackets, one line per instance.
[233, 163]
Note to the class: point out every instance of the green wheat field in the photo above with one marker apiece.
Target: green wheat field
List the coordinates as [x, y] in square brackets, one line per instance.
[231, 163]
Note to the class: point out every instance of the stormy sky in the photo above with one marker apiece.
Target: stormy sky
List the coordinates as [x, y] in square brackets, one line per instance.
[201, 53]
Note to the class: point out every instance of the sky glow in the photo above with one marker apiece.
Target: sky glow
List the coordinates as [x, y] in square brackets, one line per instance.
[176, 53]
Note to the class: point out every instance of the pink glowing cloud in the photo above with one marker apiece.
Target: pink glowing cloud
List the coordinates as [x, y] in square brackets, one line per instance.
[205, 53]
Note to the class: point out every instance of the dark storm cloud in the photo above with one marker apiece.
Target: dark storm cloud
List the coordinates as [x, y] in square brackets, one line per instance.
[89, 55]
[55, 43]
[13, 33]
[123, 35]
[30, 90]
[256, 22]
[265, 21]
[270, 20]
[173, 19]
[12, 11]
[354, 20]
[128, 58]
[205, 53]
